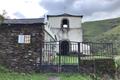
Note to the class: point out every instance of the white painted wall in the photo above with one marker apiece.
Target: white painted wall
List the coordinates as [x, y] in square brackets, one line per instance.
[49, 35]
[75, 32]
[55, 22]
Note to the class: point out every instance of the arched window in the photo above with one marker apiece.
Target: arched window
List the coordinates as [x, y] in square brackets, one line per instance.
[65, 24]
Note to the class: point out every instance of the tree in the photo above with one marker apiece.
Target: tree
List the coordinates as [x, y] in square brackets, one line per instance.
[2, 16]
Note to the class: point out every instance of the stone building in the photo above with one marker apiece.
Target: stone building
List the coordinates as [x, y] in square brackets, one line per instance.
[22, 40]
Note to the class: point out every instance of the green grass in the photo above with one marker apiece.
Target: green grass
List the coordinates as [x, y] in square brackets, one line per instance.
[113, 36]
[5, 74]
[40, 76]
[103, 31]
[95, 28]
[73, 60]
[66, 60]
[117, 60]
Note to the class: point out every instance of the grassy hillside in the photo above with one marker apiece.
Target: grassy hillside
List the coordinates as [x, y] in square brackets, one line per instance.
[112, 35]
[95, 28]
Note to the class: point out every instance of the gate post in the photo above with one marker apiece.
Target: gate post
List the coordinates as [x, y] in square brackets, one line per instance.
[40, 61]
[79, 56]
[59, 54]
[112, 49]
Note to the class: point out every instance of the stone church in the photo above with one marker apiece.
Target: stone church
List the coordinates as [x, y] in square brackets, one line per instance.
[22, 40]
[66, 28]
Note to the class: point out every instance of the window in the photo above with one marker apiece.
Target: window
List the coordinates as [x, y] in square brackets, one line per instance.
[21, 39]
[65, 23]
[24, 39]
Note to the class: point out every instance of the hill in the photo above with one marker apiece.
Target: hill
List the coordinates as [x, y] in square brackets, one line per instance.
[103, 31]
[113, 36]
[95, 28]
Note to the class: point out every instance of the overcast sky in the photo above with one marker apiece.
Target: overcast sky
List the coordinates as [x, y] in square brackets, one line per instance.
[90, 9]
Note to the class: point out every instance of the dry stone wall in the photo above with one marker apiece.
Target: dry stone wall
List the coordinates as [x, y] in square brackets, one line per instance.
[16, 56]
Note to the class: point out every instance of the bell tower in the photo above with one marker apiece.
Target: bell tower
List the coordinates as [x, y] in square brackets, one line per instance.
[66, 27]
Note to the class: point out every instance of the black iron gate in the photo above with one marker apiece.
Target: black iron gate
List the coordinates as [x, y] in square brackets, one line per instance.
[68, 56]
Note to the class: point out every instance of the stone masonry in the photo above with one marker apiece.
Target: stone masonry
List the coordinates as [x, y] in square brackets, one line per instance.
[16, 56]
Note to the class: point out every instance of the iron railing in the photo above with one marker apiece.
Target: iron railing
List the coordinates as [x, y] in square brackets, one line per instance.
[68, 56]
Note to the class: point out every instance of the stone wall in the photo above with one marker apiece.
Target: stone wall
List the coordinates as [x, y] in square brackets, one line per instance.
[90, 67]
[16, 56]
[99, 66]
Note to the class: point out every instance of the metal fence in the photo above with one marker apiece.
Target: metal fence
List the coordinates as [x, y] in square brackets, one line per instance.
[66, 56]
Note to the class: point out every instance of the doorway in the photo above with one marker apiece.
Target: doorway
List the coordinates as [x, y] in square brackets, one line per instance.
[64, 47]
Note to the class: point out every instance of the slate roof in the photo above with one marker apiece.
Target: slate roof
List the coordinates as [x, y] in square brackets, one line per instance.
[64, 14]
[23, 21]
